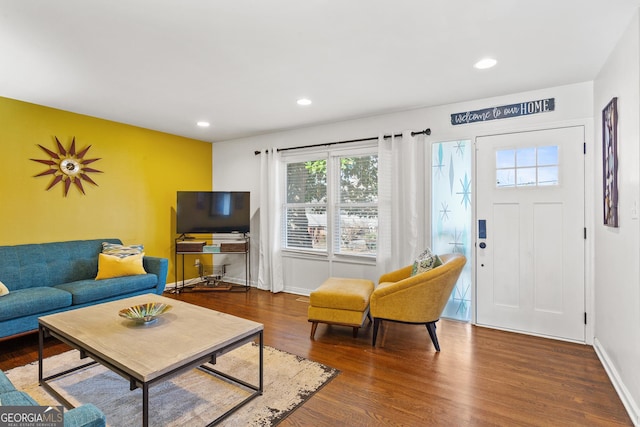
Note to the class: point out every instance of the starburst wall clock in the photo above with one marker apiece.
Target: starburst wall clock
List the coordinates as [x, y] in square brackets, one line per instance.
[67, 166]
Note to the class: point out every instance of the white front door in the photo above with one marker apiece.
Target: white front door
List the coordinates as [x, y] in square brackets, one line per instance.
[530, 236]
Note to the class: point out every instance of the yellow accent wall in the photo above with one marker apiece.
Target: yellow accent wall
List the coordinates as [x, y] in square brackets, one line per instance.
[135, 196]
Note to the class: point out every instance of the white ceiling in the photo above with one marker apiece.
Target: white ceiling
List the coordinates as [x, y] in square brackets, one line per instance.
[242, 64]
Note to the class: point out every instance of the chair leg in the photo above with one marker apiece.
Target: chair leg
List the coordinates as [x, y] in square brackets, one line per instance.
[314, 325]
[431, 327]
[355, 331]
[376, 325]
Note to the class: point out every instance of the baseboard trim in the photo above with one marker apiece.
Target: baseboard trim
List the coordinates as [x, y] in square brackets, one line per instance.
[627, 400]
[234, 280]
[238, 281]
[297, 291]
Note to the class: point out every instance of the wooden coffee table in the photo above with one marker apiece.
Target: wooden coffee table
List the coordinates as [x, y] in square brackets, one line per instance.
[186, 337]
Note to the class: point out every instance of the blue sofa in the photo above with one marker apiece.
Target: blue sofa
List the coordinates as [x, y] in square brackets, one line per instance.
[47, 278]
[83, 416]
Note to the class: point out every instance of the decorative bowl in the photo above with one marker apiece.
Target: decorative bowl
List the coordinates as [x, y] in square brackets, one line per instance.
[145, 313]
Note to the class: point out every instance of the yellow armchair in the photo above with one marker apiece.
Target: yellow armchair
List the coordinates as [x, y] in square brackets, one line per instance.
[420, 299]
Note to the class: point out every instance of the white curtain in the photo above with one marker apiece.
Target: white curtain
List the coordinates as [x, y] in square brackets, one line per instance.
[400, 202]
[270, 256]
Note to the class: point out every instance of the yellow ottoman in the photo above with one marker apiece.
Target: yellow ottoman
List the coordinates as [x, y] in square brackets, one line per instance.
[340, 301]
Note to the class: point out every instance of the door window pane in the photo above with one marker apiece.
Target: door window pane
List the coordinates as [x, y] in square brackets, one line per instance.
[548, 155]
[527, 167]
[548, 175]
[526, 157]
[526, 177]
[505, 159]
[505, 177]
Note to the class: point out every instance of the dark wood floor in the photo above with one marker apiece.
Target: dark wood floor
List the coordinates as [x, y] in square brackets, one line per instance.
[481, 376]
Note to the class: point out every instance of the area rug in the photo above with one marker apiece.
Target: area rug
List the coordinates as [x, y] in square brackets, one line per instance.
[194, 398]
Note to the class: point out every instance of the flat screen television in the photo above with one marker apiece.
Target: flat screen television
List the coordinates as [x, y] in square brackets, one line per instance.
[205, 212]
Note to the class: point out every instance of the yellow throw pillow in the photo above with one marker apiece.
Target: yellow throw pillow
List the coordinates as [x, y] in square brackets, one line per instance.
[3, 289]
[112, 266]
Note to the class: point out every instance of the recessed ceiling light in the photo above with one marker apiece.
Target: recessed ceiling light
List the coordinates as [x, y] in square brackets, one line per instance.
[485, 63]
[304, 101]
[203, 124]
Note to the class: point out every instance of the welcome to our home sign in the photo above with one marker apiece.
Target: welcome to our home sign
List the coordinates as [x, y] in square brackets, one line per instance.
[504, 111]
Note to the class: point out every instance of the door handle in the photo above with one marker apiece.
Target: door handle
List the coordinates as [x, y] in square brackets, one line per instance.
[482, 245]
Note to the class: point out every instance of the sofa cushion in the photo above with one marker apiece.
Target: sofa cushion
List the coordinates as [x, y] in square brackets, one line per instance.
[25, 302]
[86, 291]
[16, 398]
[114, 266]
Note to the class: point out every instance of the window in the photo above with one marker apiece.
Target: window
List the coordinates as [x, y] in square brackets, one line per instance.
[531, 166]
[356, 213]
[305, 212]
[451, 216]
[332, 204]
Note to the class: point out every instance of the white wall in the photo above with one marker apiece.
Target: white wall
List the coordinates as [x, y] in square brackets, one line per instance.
[612, 255]
[236, 167]
[617, 250]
